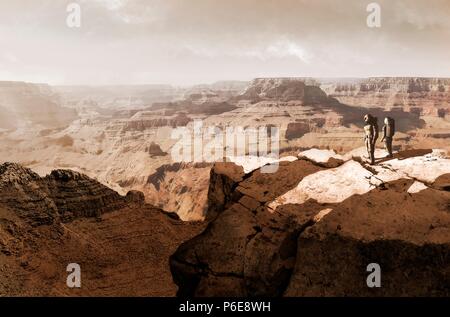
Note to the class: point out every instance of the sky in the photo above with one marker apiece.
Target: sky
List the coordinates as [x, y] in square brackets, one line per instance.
[185, 42]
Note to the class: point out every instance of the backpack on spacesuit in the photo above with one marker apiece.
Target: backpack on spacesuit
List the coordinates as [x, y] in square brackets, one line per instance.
[390, 127]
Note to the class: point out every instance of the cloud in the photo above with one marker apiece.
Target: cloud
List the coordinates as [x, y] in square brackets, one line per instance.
[179, 41]
[286, 48]
[279, 49]
[11, 58]
[111, 5]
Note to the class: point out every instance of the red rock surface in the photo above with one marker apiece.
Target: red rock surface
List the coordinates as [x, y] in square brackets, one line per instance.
[121, 244]
[319, 249]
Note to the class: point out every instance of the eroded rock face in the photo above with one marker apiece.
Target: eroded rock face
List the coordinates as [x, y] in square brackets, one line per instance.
[223, 181]
[77, 195]
[25, 192]
[267, 88]
[46, 223]
[284, 89]
[320, 240]
[407, 234]
[297, 130]
[245, 251]
[63, 195]
[155, 150]
[422, 96]
[181, 188]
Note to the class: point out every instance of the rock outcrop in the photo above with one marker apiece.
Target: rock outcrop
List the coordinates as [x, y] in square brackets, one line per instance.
[311, 230]
[26, 193]
[284, 89]
[155, 150]
[47, 223]
[180, 187]
[246, 250]
[223, 181]
[406, 234]
[63, 195]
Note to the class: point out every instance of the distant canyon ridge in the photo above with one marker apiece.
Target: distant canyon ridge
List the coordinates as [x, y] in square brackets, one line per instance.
[120, 135]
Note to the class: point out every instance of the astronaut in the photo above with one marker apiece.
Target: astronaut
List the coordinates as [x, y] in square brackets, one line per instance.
[388, 134]
[370, 136]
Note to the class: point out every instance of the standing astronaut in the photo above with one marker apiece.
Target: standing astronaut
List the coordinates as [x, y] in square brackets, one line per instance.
[388, 134]
[370, 135]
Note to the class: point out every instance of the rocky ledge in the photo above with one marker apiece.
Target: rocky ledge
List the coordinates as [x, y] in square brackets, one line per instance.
[313, 227]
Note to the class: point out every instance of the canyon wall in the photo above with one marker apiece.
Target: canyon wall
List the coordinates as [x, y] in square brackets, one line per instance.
[423, 96]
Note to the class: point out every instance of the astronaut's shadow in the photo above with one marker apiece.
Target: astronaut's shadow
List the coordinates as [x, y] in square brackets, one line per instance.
[402, 155]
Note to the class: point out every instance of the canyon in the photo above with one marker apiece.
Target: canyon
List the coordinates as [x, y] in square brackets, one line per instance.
[121, 135]
[266, 234]
[88, 176]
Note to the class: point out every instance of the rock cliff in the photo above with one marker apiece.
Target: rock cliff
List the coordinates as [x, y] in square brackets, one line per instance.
[313, 227]
[121, 244]
[63, 195]
[284, 89]
[423, 96]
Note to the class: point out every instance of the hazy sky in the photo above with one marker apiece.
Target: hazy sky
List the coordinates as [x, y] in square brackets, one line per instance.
[199, 41]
